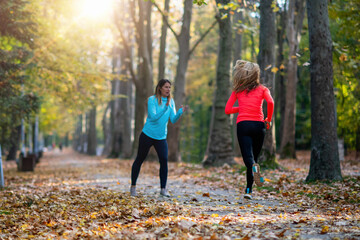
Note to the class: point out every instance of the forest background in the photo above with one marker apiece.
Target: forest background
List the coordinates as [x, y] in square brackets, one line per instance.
[80, 72]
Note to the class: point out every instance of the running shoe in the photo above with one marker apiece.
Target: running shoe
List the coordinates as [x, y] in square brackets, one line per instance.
[164, 193]
[259, 180]
[247, 195]
[133, 191]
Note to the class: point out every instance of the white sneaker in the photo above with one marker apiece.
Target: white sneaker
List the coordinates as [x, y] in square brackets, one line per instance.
[133, 191]
[164, 193]
[248, 196]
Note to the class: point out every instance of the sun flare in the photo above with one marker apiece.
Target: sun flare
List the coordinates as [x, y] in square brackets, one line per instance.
[96, 9]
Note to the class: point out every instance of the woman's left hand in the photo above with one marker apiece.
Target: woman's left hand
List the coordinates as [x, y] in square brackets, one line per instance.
[184, 108]
[267, 123]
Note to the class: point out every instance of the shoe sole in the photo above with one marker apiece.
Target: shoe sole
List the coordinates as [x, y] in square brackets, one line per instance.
[257, 176]
[246, 196]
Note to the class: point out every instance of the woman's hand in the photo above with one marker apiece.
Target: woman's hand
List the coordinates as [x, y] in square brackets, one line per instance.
[184, 108]
[267, 123]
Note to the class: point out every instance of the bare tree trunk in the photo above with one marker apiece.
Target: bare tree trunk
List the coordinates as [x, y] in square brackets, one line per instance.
[220, 144]
[162, 55]
[324, 162]
[266, 61]
[91, 137]
[15, 143]
[107, 132]
[77, 135]
[144, 84]
[179, 93]
[357, 143]
[294, 25]
[238, 16]
[279, 78]
[115, 119]
[125, 112]
[84, 133]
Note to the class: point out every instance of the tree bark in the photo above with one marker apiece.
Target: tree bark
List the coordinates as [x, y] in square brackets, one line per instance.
[294, 24]
[220, 144]
[91, 136]
[279, 78]
[324, 163]
[266, 61]
[179, 92]
[238, 16]
[115, 119]
[15, 143]
[144, 82]
[106, 132]
[76, 136]
[162, 55]
[357, 143]
[125, 111]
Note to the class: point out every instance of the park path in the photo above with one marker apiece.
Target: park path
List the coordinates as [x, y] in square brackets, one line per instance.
[71, 168]
[267, 215]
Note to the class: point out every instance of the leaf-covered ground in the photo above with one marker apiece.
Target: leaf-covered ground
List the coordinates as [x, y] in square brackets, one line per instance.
[73, 196]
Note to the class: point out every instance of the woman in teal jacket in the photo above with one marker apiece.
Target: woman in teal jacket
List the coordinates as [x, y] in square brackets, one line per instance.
[161, 108]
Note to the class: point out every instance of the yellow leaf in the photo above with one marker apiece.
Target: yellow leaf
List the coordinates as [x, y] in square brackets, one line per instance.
[325, 229]
[282, 66]
[214, 215]
[343, 57]
[274, 69]
[224, 16]
[293, 56]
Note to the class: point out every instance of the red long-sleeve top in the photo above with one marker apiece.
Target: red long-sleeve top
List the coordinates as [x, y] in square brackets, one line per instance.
[250, 104]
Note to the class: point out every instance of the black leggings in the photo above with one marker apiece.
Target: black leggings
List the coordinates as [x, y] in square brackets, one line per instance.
[251, 136]
[161, 148]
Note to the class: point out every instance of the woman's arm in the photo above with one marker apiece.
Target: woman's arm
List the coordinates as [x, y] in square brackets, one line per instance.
[229, 109]
[270, 104]
[152, 114]
[173, 115]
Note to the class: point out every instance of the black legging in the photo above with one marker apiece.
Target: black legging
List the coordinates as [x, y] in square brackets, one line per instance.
[161, 148]
[251, 138]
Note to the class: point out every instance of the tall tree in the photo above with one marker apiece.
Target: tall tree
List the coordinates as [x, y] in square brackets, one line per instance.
[17, 30]
[183, 40]
[126, 95]
[280, 65]
[238, 20]
[115, 118]
[106, 131]
[143, 78]
[324, 162]
[91, 136]
[295, 19]
[220, 144]
[184, 53]
[266, 60]
[164, 28]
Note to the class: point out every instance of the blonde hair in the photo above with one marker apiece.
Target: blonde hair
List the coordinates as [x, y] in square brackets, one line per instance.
[246, 76]
[160, 84]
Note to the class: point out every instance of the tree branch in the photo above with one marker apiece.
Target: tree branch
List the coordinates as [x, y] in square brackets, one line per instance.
[128, 52]
[202, 37]
[166, 20]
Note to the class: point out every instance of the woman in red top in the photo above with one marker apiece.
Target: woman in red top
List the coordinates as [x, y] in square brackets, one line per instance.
[251, 124]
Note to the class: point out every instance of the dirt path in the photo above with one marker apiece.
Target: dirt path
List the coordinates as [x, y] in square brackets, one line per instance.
[209, 195]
